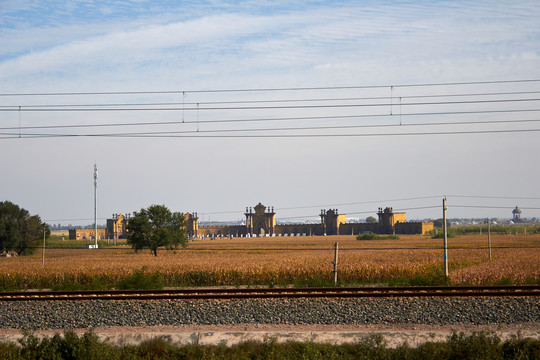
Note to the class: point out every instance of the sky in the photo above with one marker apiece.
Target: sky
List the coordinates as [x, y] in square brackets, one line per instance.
[215, 106]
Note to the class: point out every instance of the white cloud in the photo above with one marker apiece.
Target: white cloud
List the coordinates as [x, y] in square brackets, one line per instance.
[138, 44]
[311, 37]
[216, 45]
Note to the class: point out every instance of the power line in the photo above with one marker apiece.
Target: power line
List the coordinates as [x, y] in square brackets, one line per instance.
[363, 212]
[363, 203]
[334, 204]
[273, 89]
[283, 107]
[290, 104]
[81, 219]
[414, 208]
[402, 97]
[495, 197]
[301, 128]
[386, 201]
[492, 207]
[297, 119]
[302, 207]
[401, 209]
[199, 134]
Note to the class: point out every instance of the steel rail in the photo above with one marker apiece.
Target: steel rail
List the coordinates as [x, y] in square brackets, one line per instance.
[235, 293]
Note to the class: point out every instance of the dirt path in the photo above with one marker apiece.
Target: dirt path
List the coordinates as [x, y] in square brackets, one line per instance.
[394, 335]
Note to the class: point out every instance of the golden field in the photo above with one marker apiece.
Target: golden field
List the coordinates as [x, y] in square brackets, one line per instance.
[286, 260]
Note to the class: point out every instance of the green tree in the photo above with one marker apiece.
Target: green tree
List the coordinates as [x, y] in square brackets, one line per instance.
[19, 231]
[371, 220]
[439, 223]
[154, 227]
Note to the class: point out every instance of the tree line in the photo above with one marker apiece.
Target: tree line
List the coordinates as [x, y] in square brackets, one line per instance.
[20, 232]
[151, 228]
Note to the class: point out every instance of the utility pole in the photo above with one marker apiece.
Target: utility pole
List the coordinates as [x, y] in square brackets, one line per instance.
[95, 207]
[43, 251]
[335, 263]
[445, 239]
[489, 238]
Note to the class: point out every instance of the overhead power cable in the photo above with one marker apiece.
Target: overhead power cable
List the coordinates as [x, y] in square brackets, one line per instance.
[198, 134]
[272, 89]
[494, 197]
[337, 112]
[350, 117]
[361, 212]
[310, 128]
[491, 207]
[386, 201]
[283, 107]
[382, 202]
[334, 204]
[300, 100]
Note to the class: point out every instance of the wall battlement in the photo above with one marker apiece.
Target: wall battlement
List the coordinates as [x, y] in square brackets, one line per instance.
[262, 222]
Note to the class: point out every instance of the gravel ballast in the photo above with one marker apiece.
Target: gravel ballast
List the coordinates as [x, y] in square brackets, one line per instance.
[61, 314]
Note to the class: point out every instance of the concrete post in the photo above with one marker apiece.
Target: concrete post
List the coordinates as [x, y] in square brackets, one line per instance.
[335, 263]
[445, 239]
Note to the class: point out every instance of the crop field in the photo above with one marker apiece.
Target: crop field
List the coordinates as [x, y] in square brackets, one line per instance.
[300, 261]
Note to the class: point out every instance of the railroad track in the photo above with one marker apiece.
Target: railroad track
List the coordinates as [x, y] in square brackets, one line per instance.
[221, 293]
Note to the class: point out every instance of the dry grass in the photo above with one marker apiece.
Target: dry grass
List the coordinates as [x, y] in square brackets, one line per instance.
[516, 259]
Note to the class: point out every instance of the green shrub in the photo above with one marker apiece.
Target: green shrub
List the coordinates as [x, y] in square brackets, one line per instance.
[9, 351]
[68, 346]
[372, 236]
[439, 234]
[494, 229]
[481, 345]
[140, 280]
[314, 280]
[435, 277]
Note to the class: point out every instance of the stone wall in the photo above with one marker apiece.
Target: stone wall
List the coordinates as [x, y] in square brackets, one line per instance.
[222, 230]
[307, 229]
[359, 228]
[86, 234]
[262, 222]
[419, 227]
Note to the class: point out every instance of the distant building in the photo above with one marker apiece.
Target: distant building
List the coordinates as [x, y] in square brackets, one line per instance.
[331, 221]
[86, 234]
[192, 225]
[261, 221]
[388, 220]
[115, 229]
[516, 215]
[117, 226]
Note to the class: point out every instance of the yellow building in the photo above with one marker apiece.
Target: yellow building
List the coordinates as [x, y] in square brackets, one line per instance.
[86, 234]
[261, 222]
[117, 227]
[331, 221]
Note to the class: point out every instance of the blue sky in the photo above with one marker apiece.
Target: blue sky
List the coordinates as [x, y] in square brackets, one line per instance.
[190, 46]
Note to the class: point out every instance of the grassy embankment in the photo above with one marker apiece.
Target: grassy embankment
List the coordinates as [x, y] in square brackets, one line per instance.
[457, 346]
